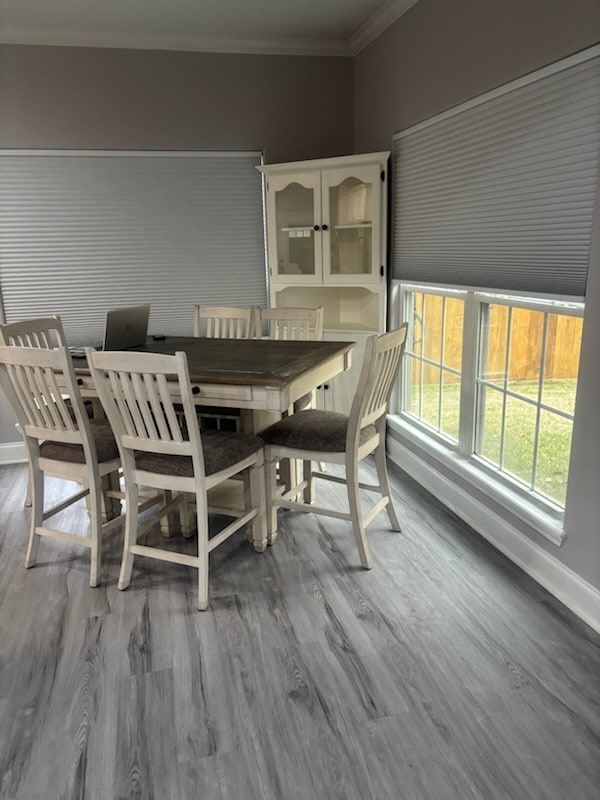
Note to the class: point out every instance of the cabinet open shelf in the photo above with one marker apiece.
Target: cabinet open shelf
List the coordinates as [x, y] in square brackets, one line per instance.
[347, 308]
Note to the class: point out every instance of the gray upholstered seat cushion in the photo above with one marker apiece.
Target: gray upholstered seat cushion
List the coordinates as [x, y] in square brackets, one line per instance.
[221, 449]
[321, 431]
[106, 447]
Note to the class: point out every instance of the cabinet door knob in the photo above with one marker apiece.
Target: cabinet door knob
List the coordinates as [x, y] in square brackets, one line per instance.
[317, 228]
[79, 381]
[195, 390]
[325, 227]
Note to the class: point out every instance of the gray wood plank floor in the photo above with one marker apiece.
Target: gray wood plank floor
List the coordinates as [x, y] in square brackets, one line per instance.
[445, 672]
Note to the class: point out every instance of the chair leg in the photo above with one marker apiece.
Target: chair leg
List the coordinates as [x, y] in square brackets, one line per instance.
[185, 517]
[249, 503]
[381, 465]
[358, 527]
[309, 491]
[36, 487]
[111, 507]
[168, 524]
[27, 501]
[202, 522]
[96, 532]
[271, 491]
[258, 526]
[131, 519]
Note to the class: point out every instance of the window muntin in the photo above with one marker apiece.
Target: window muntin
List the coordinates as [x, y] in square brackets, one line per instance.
[509, 409]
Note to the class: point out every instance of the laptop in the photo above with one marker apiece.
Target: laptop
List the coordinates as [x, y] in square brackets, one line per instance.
[124, 327]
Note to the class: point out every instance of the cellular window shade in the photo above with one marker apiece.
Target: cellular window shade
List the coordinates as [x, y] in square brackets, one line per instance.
[501, 194]
[84, 232]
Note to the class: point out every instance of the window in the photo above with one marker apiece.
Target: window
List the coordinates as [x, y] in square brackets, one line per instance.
[494, 378]
[498, 192]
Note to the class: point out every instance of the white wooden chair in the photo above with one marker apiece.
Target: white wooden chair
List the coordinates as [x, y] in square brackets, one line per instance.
[156, 452]
[224, 322]
[292, 323]
[314, 435]
[44, 332]
[61, 441]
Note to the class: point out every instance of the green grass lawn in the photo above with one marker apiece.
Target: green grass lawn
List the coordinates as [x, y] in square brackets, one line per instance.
[555, 432]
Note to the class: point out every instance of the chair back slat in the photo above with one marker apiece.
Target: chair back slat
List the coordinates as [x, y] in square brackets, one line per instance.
[143, 389]
[155, 405]
[167, 404]
[379, 370]
[224, 322]
[300, 324]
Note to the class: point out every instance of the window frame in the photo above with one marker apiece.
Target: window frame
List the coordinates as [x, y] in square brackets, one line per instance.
[539, 512]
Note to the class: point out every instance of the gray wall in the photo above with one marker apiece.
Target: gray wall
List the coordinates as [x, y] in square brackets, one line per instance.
[440, 54]
[290, 107]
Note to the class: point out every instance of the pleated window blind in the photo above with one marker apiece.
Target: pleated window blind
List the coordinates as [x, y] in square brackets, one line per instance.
[81, 232]
[500, 192]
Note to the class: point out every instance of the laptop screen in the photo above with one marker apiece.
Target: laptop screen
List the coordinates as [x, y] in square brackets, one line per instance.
[126, 327]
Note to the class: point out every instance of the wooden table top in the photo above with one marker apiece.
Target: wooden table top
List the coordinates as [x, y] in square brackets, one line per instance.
[255, 362]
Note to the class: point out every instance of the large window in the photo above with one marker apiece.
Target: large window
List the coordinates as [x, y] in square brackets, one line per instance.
[494, 377]
[498, 192]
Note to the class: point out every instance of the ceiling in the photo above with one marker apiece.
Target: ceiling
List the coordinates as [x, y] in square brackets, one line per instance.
[303, 27]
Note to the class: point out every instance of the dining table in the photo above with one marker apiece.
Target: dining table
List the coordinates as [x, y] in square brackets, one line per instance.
[260, 377]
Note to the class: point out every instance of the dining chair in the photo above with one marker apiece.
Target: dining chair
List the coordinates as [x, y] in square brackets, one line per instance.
[44, 332]
[295, 324]
[315, 435]
[292, 323]
[224, 322]
[156, 452]
[61, 441]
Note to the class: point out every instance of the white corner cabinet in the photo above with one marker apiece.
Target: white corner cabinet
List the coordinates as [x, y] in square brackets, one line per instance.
[326, 243]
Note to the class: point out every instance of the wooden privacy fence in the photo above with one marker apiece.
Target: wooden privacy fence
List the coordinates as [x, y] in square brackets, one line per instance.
[563, 341]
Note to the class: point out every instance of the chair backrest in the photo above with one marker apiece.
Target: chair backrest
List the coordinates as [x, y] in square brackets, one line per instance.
[138, 392]
[28, 376]
[380, 366]
[224, 322]
[45, 332]
[293, 323]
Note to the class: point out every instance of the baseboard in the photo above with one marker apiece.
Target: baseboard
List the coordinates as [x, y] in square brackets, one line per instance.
[578, 595]
[12, 453]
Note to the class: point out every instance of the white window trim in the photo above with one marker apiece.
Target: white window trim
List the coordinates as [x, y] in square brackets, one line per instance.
[539, 513]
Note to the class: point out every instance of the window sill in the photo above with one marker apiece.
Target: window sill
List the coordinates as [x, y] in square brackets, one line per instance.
[545, 520]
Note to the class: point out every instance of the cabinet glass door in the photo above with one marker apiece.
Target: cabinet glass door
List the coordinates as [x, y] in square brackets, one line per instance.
[296, 211]
[351, 238]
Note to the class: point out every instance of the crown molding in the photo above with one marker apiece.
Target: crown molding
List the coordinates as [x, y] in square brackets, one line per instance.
[377, 24]
[290, 47]
[298, 47]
